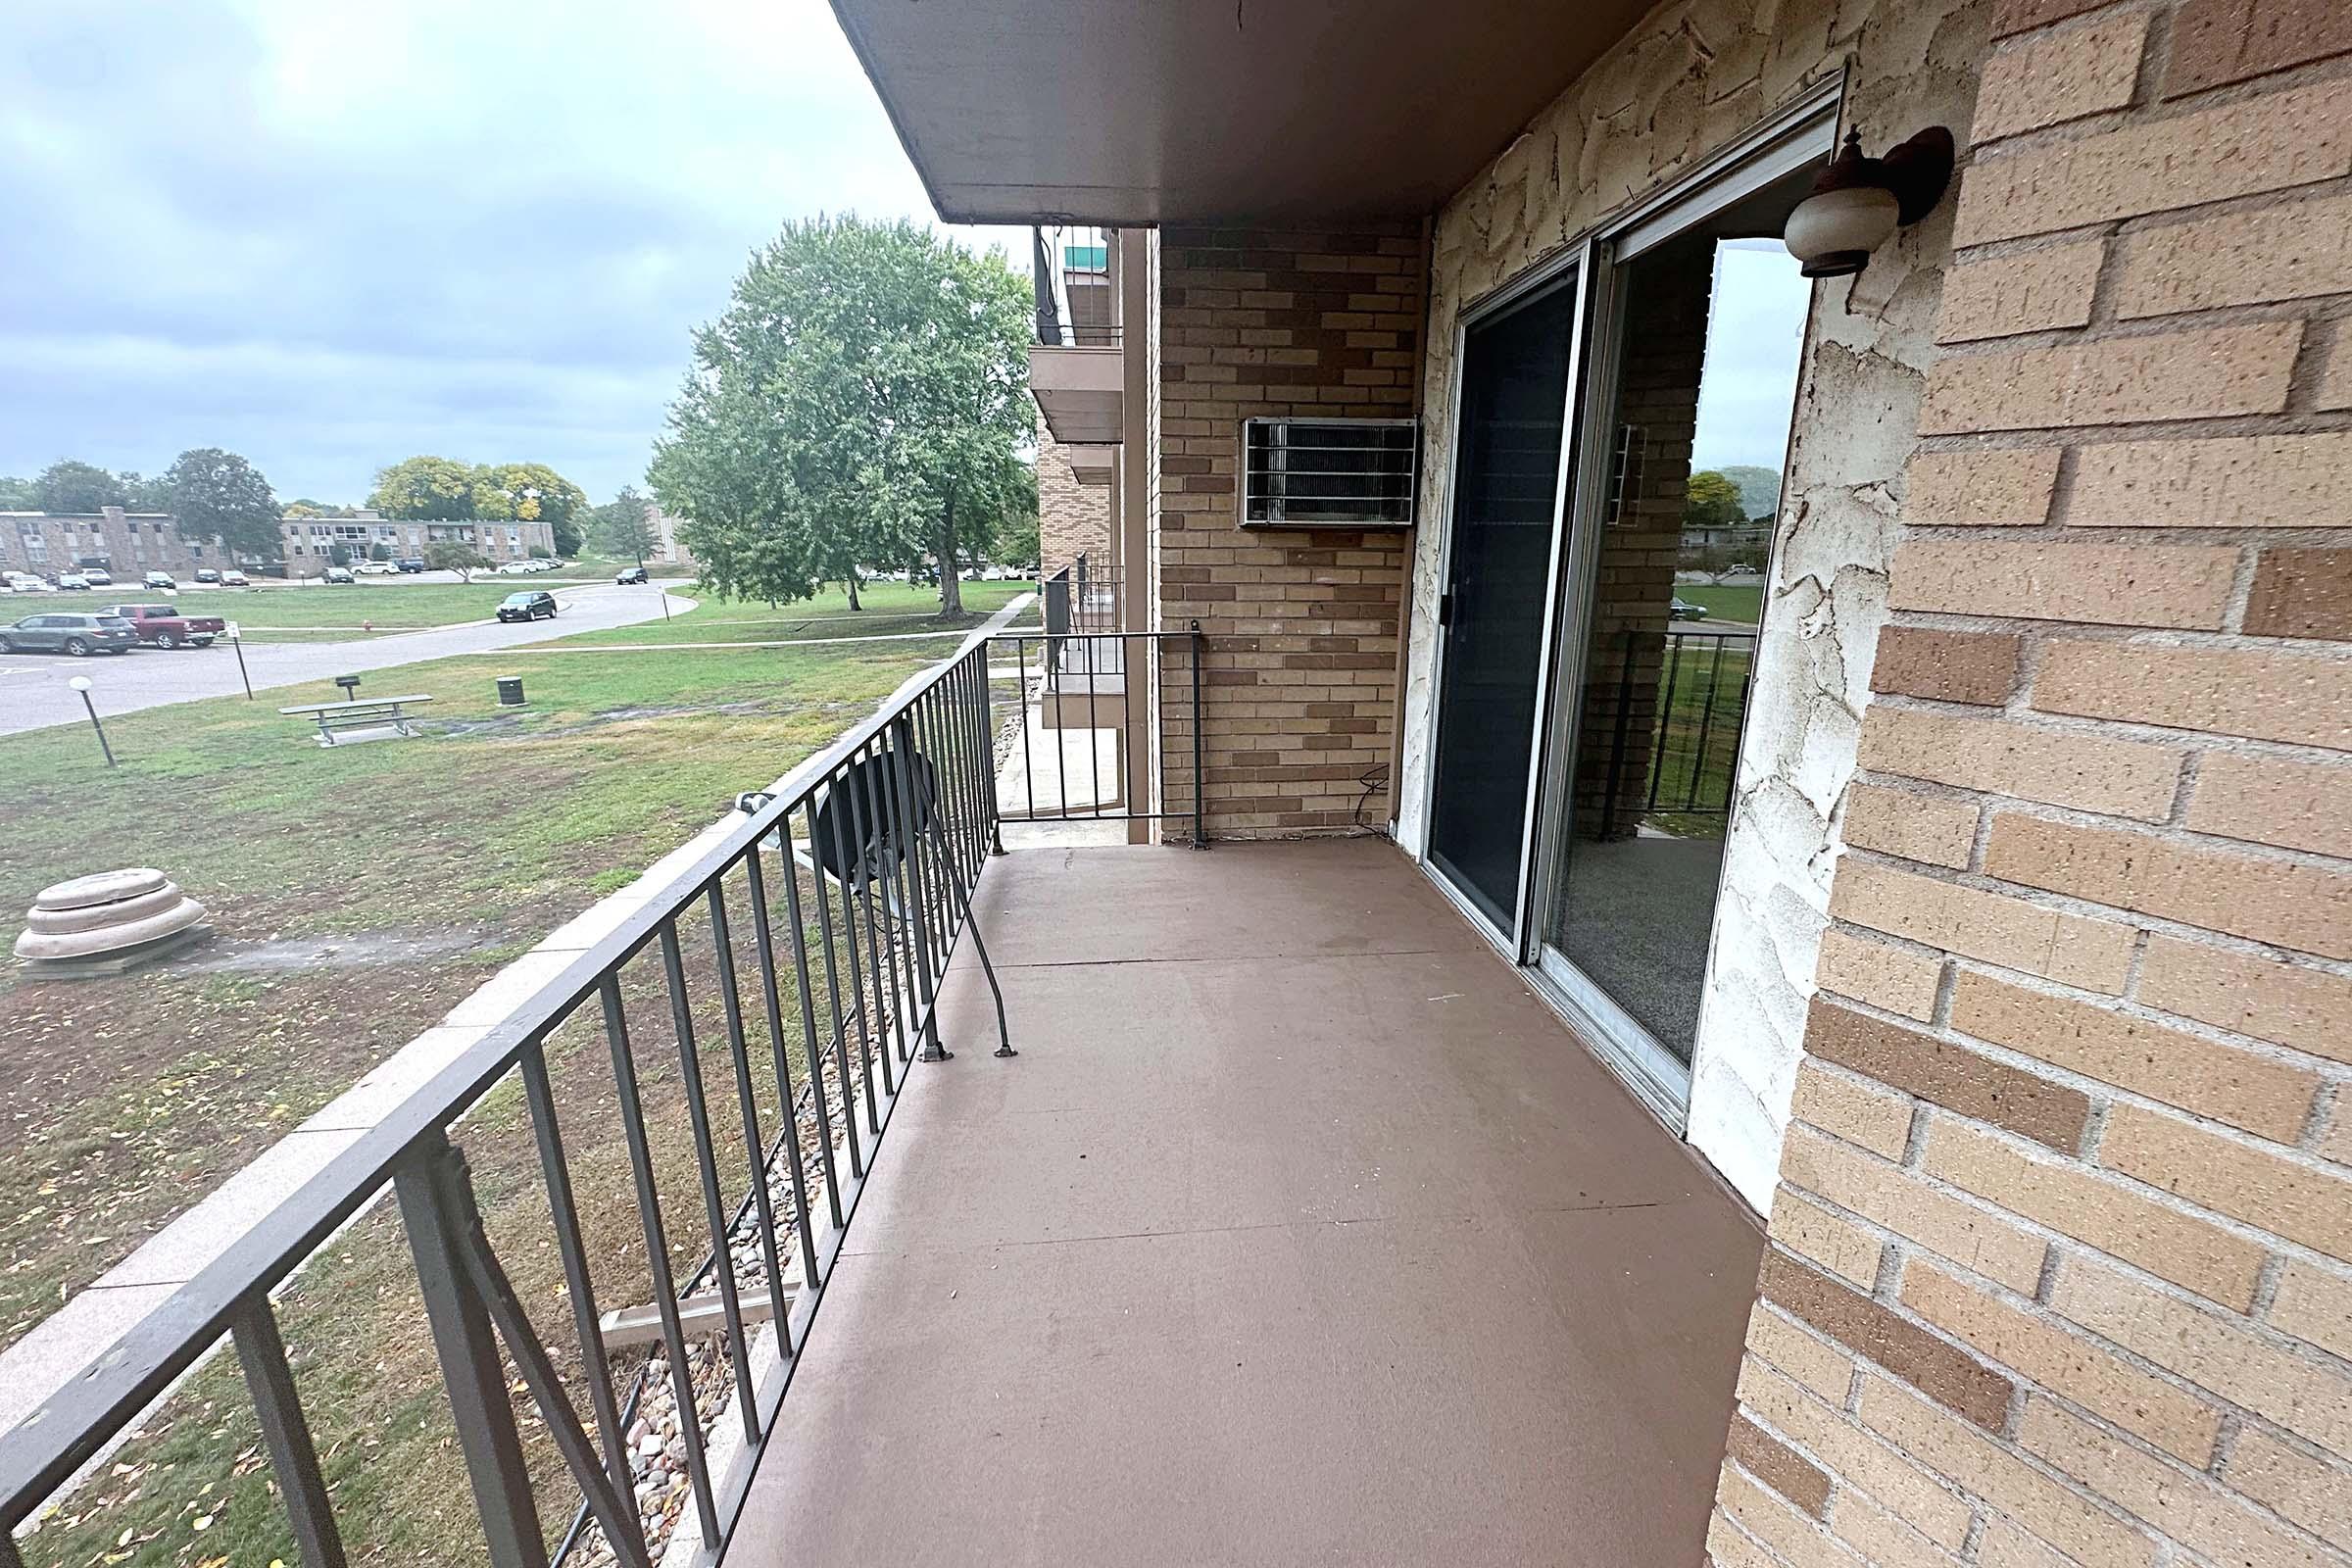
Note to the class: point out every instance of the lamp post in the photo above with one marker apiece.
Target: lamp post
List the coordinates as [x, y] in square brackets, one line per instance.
[81, 684]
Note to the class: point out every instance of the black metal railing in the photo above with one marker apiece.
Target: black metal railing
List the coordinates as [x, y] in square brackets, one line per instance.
[1072, 278]
[1076, 690]
[1703, 698]
[853, 881]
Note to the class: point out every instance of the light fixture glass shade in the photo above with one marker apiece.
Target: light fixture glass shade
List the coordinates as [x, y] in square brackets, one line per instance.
[1834, 232]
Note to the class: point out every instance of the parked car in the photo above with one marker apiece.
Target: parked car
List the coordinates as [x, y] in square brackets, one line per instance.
[376, 568]
[78, 635]
[339, 575]
[1679, 608]
[411, 564]
[629, 576]
[514, 568]
[73, 581]
[25, 582]
[164, 627]
[206, 576]
[539, 605]
[160, 581]
[236, 580]
[99, 576]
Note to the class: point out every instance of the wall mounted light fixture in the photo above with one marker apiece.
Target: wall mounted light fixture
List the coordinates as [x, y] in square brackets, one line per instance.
[1858, 201]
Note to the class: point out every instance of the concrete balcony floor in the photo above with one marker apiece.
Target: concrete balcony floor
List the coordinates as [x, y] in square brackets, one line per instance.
[1298, 1232]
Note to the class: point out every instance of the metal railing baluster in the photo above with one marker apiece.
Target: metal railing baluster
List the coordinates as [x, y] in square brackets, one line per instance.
[901, 788]
[287, 1436]
[564, 1213]
[656, 1252]
[824, 927]
[764, 945]
[614, 1507]
[470, 1368]
[798, 925]
[706, 1165]
[866, 821]
[748, 1106]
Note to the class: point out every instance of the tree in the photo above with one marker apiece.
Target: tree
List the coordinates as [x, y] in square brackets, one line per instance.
[16, 495]
[304, 509]
[860, 402]
[1711, 502]
[338, 554]
[425, 489]
[455, 555]
[621, 528]
[219, 495]
[145, 495]
[1759, 490]
[71, 486]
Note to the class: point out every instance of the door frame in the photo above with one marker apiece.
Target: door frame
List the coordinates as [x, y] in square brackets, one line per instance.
[1803, 135]
[1569, 269]
[1802, 132]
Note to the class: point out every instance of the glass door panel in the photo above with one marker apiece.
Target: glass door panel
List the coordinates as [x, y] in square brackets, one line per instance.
[1512, 420]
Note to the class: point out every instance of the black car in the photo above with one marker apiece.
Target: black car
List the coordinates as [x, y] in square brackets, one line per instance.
[206, 575]
[411, 564]
[527, 606]
[78, 635]
[629, 574]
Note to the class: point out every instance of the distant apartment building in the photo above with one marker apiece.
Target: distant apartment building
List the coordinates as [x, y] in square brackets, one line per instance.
[310, 543]
[667, 545]
[112, 539]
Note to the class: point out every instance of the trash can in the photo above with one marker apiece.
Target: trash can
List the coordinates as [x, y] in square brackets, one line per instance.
[509, 691]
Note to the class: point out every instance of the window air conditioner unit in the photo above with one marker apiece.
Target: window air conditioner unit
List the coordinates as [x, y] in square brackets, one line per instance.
[1327, 474]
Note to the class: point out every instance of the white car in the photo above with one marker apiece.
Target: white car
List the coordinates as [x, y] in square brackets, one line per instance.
[99, 577]
[236, 580]
[514, 568]
[376, 568]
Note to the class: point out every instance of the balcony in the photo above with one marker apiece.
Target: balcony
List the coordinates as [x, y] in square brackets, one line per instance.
[1296, 1230]
[1077, 369]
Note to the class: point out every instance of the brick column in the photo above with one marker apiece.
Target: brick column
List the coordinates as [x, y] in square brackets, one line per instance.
[2062, 1252]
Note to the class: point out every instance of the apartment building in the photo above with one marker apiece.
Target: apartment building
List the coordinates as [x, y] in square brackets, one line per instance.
[1975, 903]
[134, 542]
[310, 543]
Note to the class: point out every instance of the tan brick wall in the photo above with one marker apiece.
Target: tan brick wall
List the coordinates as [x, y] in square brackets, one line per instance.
[1302, 624]
[2062, 1257]
[1073, 520]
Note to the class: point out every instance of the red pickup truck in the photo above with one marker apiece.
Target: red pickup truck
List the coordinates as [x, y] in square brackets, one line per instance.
[166, 627]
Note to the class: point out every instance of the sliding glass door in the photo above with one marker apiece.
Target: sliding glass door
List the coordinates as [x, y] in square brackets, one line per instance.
[1494, 614]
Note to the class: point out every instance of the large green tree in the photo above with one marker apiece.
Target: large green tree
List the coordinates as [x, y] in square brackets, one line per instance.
[16, 495]
[532, 492]
[621, 528]
[860, 402]
[425, 489]
[217, 494]
[72, 486]
[1711, 502]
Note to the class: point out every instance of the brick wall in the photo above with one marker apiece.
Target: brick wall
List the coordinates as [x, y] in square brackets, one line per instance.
[132, 544]
[1073, 520]
[2062, 1261]
[1302, 661]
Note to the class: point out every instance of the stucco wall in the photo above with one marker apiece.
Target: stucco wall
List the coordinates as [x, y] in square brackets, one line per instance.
[1689, 79]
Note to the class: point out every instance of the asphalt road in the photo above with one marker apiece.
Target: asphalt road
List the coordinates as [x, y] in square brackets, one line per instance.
[33, 694]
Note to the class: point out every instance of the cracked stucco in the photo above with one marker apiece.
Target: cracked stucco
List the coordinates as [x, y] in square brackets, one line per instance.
[1688, 80]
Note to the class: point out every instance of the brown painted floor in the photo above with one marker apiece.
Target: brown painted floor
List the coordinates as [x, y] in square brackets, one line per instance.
[1299, 1233]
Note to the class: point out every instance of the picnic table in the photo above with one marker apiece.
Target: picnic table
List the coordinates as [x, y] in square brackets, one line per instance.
[365, 712]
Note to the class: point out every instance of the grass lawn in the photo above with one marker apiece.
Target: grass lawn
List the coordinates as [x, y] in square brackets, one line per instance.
[1695, 762]
[390, 603]
[892, 609]
[358, 893]
[1739, 603]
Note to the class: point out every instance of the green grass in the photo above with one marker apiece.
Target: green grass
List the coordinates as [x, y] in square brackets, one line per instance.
[889, 611]
[1700, 753]
[1738, 603]
[391, 602]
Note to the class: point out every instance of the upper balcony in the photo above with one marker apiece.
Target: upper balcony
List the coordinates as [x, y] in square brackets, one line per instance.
[1296, 1230]
[1077, 369]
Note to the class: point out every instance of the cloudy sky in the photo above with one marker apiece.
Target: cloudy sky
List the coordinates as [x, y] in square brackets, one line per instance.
[331, 234]
[1755, 332]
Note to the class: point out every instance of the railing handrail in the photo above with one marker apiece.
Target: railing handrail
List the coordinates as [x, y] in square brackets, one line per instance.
[45, 1450]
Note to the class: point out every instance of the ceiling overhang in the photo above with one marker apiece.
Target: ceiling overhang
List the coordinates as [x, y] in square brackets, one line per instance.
[1132, 111]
